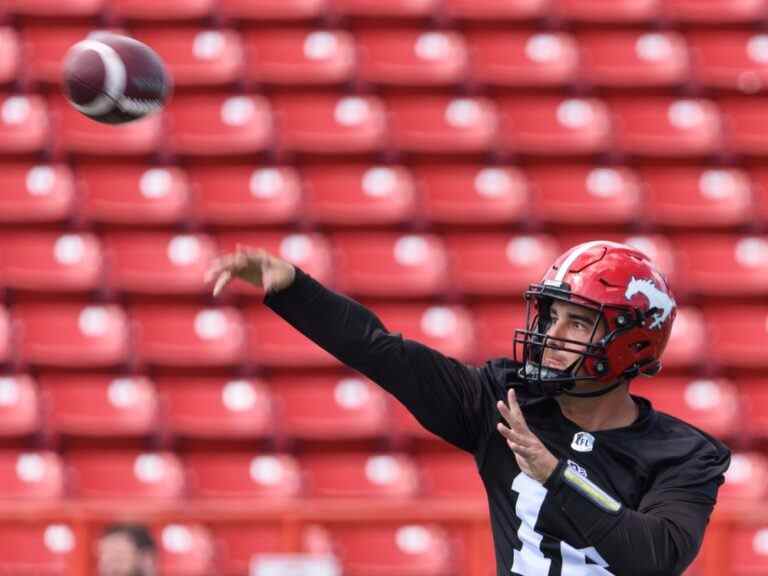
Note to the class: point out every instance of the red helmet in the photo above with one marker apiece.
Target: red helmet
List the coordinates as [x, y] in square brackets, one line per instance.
[632, 300]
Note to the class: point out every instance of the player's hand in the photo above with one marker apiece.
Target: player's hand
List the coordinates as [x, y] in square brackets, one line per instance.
[256, 266]
[532, 456]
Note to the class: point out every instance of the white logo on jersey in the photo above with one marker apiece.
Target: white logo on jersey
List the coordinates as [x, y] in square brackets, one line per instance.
[576, 468]
[657, 299]
[583, 442]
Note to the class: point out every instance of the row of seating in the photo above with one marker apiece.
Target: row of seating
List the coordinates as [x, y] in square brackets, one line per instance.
[387, 57]
[306, 408]
[371, 194]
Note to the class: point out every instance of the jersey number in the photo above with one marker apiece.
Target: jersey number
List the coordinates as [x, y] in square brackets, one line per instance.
[530, 560]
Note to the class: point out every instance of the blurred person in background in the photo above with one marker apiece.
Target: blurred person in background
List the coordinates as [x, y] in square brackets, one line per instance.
[126, 550]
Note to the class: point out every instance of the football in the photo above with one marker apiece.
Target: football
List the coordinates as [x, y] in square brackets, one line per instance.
[114, 79]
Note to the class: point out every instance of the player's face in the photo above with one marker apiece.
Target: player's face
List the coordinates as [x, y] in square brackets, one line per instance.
[570, 322]
[118, 556]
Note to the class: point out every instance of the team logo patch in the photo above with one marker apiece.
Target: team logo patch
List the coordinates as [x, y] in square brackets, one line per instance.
[583, 442]
[580, 470]
[659, 301]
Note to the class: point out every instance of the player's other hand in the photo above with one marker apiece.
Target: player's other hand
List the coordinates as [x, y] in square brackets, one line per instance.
[256, 266]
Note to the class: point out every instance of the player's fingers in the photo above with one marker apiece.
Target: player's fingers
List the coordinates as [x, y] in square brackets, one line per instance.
[221, 282]
[514, 408]
[510, 417]
[226, 262]
[513, 436]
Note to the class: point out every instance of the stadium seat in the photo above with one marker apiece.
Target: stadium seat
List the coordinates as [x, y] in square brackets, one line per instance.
[19, 406]
[374, 9]
[688, 343]
[44, 50]
[79, 135]
[754, 393]
[712, 405]
[495, 325]
[612, 12]
[435, 124]
[184, 549]
[243, 476]
[401, 550]
[39, 548]
[220, 125]
[72, 335]
[50, 8]
[747, 550]
[158, 262]
[310, 252]
[210, 407]
[6, 344]
[353, 194]
[759, 176]
[730, 59]
[335, 407]
[703, 259]
[10, 55]
[447, 329]
[50, 261]
[552, 125]
[522, 58]
[31, 476]
[36, 193]
[303, 57]
[274, 343]
[464, 193]
[411, 57]
[742, 121]
[190, 336]
[493, 10]
[194, 57]
[579, 194]
[237, 544]
[714, 11]
[169, 10]
[696, 197]
[449, 475]
[24, 124]
[243, 194]
[737, 335]
[390, 264]
[133, 194]
[266, 10]
[330, 123]
[92, 405]
[360, 475]
[746, 478]
[498, 264]
[118, 476]
[633, 59]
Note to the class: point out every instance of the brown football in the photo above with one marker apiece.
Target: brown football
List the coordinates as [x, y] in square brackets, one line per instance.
[114, 79]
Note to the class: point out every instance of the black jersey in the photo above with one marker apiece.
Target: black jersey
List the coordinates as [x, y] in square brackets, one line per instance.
[650, 487]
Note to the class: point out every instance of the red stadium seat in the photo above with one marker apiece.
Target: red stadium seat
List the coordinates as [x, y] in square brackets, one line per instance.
[35, 193]
[449, 475]
[737, 335]
[720, 265]
[289, 56]
[188, 335]
[731, 60]
[220, 125]
[184, 549]
[19, 406]
[712, 405]
[360, 475]
[633, 59]
[45, 47]
[133, 194]
[115, 476]
[31, 476]
[243, 476]
[445, 328]
[49, 8]
[493, 10]
[742, 120]
[499, 264]
[330, 123]
[5, 336]
[714, 11]
[100, 405]
[378, 10]
[522, 59]
[688, 342]
[10, 55]
[409, 57]
[578, 194]
[359, 194]
[51, 262]
[80, 135]
[759, 176]
[244, 194]
[330, 407]
[552, 125]
[24, 124]
[746, 478]
[197, 57]
[261, 10]
[217, 407]
[754, 393]
[747, 550]
[389, 264]
[495, 324]
[72, 335]
[275, 343]
[159, 263]
[169, 10]
[684, 197]
[666, 127]
[39, 548]
[442, 124]
[612, 12]
[409, 549]
[459, 193]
